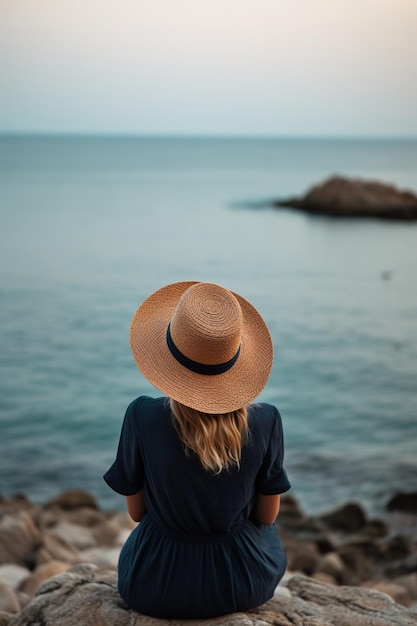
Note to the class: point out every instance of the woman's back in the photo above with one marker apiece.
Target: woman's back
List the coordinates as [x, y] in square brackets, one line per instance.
[179, 493]
[199, 526]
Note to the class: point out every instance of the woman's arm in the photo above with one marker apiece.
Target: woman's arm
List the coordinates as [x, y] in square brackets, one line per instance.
[136, 506]
[267, 508]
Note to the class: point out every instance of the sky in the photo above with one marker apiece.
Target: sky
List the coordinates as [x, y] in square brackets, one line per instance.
[213, 67]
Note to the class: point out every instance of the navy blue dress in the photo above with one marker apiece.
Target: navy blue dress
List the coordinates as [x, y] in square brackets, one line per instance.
[197, 552]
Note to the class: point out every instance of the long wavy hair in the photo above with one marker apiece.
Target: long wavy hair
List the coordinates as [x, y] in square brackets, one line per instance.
[217, 440]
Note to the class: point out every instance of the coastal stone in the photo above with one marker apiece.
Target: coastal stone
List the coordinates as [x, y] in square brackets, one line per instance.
[83, 516]
[72, 499]
[349, 517]
[397, 592]
[376, 528]
[19, 538]
[325, 578]
[350, 197]
[123, 520]
[8, 599]
[292, 520]
[23, 598]
[357, 567]
[106, 533]
[13, 575]
[323, 541]
[103, 558]
[378, 551]
[396, 547]
[42, 572]
[83, 595]
[402, 567]
[77, 536]
[17, 503]
[5, 618]
[56, 548]
[303, 557]
[409, 582]
[403, 502]
[122, 537]
[290, 508]
[332, 565]
[366, 544]
[348, 606]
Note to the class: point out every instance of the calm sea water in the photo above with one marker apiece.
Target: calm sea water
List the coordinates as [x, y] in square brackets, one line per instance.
[90, 226]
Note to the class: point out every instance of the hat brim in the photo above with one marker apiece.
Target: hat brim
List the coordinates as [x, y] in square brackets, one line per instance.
[220, 393]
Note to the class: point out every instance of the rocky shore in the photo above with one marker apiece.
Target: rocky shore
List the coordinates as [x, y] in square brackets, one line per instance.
[58, 566]
[351, 197]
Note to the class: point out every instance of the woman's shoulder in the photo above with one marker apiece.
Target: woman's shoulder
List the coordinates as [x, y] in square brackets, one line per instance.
[145, 408]
[147, 402]
[264, 416]
[264, 411]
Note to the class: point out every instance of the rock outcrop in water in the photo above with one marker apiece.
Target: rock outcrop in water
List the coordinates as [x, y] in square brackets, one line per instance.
[58, 566]
[344, 197]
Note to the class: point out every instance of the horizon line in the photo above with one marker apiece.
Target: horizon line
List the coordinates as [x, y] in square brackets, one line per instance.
[200, 136]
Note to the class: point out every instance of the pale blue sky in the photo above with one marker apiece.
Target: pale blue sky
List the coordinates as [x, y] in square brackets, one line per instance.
[224, 67]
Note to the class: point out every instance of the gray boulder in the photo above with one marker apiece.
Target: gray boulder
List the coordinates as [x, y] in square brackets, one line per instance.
[344, 197]
[86, 596]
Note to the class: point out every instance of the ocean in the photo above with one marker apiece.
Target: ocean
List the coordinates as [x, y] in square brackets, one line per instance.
[89, 226]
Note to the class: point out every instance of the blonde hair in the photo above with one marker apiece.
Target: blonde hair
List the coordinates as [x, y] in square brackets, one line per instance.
[216, 439]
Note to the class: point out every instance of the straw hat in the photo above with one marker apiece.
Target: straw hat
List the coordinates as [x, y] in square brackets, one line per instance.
[202, 345]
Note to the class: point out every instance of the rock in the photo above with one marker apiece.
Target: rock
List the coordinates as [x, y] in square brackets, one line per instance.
[303, 557]
[19, 538]
[8, 599]
[56, 548]
[103, 558]
[13, 575]
[42, 572]
[368, 547]
[17, 503]
[397, 592]
[349, 606]
[409, 582]
[376, 528]
[343, 197]
[340, 547]
[403, 502]
[357, 567]
[72, 499]
[77, 536]
[83, 516]
[106, 533]
[5, 618]
[23, 598]
[84, 596]
[396, 547]
[325, 578]
[349, 518]
[402, 567]
[290, 508]
[332, 565]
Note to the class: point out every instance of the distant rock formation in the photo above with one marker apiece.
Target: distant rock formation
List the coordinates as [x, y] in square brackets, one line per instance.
[344, 197]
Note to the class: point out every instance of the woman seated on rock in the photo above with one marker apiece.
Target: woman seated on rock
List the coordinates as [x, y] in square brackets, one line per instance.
[201, 468]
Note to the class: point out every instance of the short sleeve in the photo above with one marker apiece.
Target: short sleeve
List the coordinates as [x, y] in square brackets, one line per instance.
[126, 475]
[272, 478]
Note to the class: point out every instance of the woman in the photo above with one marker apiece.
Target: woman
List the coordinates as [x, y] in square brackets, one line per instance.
[201, 467]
